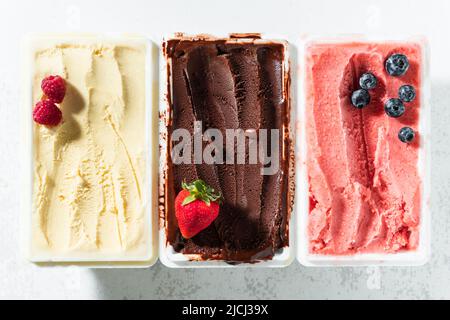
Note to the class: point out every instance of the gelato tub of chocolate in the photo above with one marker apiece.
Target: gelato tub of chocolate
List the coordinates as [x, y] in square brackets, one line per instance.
[90, 139]
[363, 184]
[235, 84]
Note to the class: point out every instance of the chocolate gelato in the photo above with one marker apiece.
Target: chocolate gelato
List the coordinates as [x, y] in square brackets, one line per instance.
[231, 83]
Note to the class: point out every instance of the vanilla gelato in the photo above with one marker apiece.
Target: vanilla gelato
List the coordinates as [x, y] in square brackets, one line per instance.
[89, 184]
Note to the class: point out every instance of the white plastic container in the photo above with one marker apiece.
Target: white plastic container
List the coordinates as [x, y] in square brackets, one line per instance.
[150, 194]
[411, 258]
[168, 256]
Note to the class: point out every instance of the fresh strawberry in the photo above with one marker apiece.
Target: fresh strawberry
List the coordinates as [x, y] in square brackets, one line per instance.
[196, 207]
[54, 87]
[47, 113]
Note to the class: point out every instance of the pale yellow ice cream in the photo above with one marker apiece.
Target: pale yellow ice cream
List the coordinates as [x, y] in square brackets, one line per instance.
[89, 187]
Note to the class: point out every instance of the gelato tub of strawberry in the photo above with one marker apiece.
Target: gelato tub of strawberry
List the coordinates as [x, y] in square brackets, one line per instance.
[226, 201]
[366, 137]
[91, 185]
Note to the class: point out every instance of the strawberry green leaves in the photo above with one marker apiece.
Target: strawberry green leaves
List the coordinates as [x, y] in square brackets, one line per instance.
[199, 190]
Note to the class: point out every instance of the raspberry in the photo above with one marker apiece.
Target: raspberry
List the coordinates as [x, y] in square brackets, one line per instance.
[54, 88]
[47, 113]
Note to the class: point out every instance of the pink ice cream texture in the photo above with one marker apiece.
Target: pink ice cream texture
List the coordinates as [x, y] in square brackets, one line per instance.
[364, 184]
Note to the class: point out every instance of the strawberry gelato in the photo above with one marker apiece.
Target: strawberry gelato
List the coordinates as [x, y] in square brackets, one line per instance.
[364, 186]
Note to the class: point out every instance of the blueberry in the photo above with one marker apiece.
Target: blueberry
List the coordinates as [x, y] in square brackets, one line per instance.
[397, 64]
[360, 98]
[368, 81]
[406, 93]
[394, 108]
[406, 134]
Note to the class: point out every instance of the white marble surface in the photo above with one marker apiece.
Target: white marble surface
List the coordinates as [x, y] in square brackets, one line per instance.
[20, 279]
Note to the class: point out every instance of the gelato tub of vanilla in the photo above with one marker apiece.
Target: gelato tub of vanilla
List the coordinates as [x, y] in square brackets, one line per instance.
[363, 182]
[91, 181]
[239, 83]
